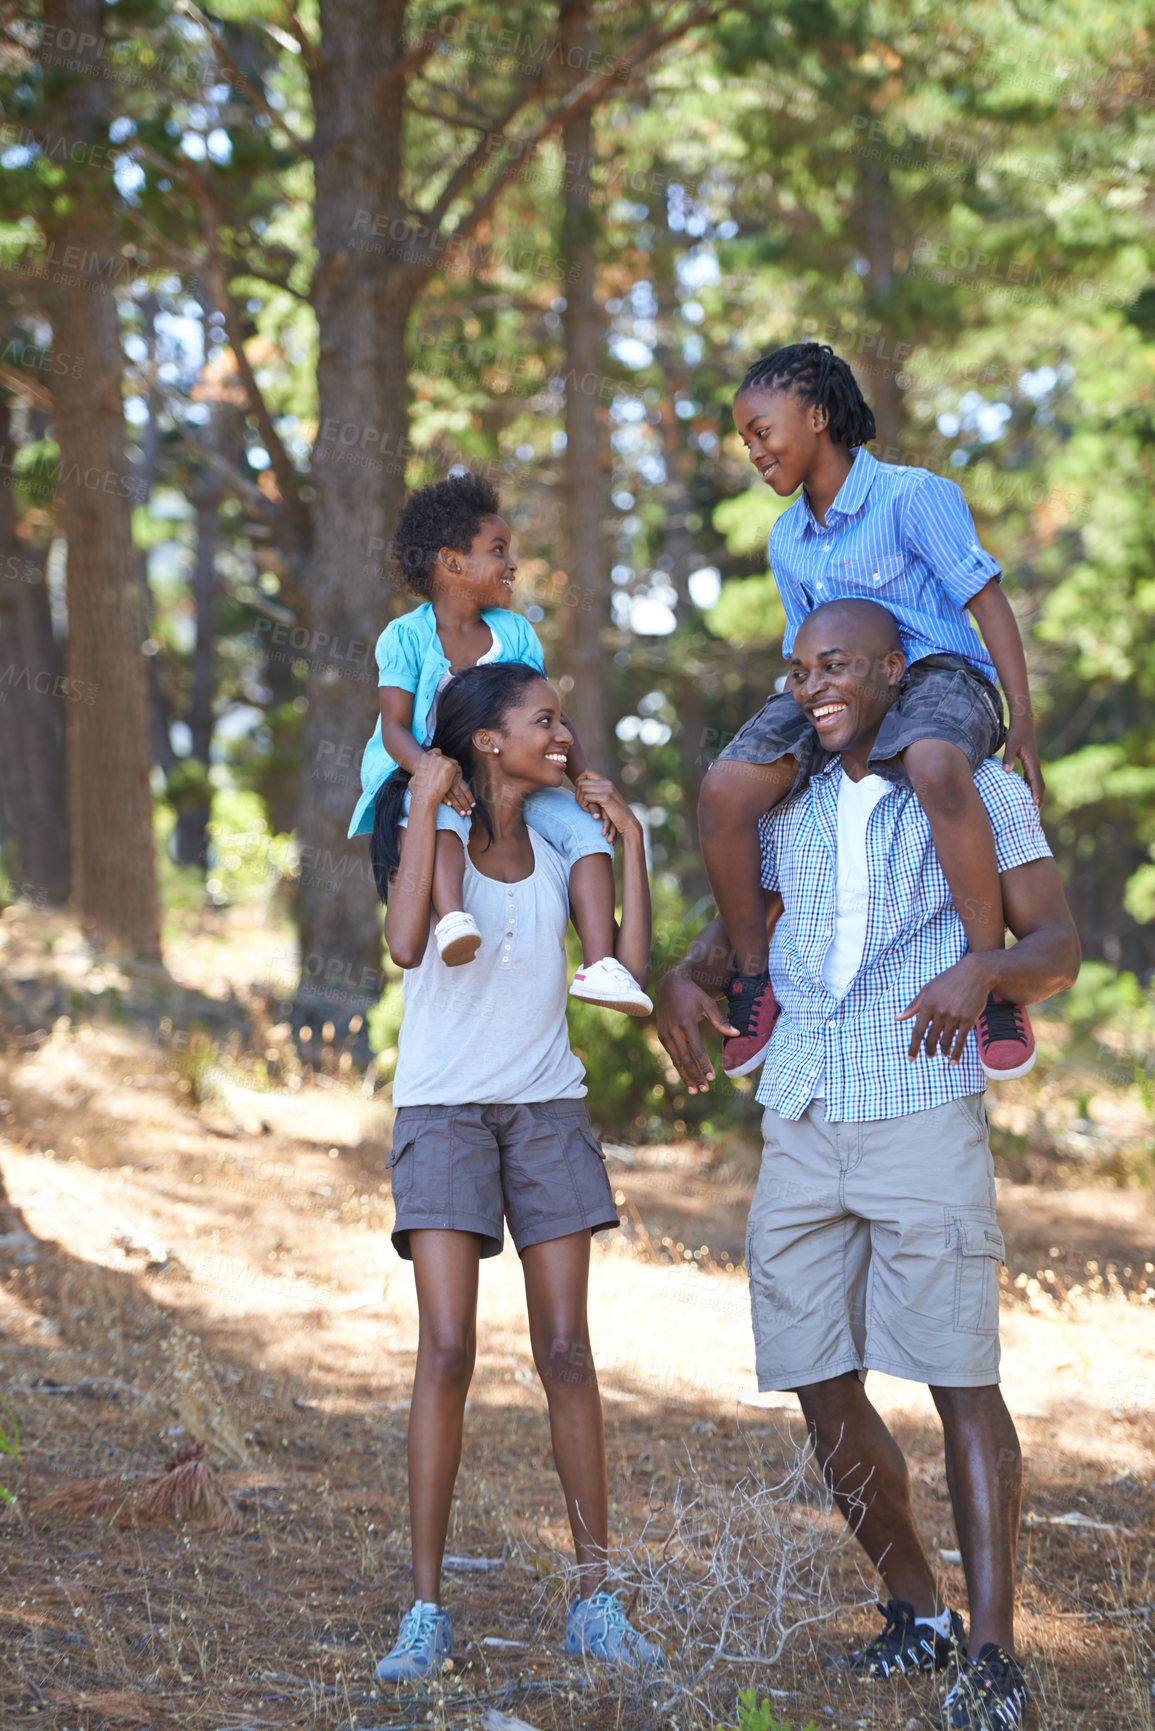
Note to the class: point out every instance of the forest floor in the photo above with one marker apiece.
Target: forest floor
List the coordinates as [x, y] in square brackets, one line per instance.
[201, 1258]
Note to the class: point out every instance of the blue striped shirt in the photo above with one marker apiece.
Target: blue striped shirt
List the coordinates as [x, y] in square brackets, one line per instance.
[899, 536]
[854, 1046]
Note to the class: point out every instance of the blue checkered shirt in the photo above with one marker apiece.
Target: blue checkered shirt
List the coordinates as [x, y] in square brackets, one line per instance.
[853, 1048]
[902, 537]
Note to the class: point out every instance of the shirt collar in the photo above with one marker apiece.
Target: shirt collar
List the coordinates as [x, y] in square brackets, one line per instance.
[850, 497]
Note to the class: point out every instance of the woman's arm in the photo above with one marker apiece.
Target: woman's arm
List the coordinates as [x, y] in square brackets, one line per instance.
[633, 936]
[996, 620]
[411, 891]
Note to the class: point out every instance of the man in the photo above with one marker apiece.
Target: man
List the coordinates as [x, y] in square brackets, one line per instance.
[873, 1240]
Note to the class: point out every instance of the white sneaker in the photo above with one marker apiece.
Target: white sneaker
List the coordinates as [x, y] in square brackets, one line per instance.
[458, 939]
[611, 986]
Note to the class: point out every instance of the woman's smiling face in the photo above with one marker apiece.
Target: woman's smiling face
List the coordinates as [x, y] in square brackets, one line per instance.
[533, 741]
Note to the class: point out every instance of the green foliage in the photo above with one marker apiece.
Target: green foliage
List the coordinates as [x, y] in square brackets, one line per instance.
[1103, 998]
[749, 614]
[10, 1445]
[755, 1715]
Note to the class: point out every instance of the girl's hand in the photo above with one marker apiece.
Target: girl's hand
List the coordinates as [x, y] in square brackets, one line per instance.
[460, 797]
[598, 795]
[434, 777]
[1021, 744]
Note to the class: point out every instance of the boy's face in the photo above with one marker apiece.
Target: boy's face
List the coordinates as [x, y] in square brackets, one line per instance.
[782, 437]
[485, 572]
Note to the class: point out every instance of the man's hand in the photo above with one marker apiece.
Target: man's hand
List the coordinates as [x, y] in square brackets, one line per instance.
[682, 1007]
[1021, 745]
[946, 1010]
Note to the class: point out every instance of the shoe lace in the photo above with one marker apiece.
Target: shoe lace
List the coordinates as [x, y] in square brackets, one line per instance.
[417, 1627]
[896, 1629]
[997, 1666]
[1002, 1021]
[744, 1010]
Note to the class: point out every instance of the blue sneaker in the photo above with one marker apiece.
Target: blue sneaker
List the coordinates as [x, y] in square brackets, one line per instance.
[425, 1642]
[596, 1628]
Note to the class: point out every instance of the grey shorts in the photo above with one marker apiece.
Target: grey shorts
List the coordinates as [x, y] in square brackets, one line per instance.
[875, 1245]
[471, 1168]
[944, 698]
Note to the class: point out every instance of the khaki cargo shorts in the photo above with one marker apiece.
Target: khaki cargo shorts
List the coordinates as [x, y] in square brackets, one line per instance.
[875, 1246]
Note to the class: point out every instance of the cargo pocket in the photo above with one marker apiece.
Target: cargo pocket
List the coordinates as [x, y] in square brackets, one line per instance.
[979, 1248]
[400, 1162]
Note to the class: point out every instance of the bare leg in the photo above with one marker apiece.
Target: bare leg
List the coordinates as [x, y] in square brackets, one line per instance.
[984, 1471]
[556, 1282]
[865, 1469]
[445, 1266]
[961, 831]
[448, 874]
[733, 798]
[591, 898]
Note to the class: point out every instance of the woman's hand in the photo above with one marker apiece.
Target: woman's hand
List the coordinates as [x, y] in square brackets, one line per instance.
[434, 778]
[598, 795]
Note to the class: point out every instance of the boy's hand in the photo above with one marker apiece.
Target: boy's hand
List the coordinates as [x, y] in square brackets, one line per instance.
[434, 777]
[460, 797]
[598, 795]
[1021, 745]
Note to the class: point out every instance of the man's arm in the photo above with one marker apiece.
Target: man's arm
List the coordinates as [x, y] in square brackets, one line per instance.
[687, 995]
[1044, 960]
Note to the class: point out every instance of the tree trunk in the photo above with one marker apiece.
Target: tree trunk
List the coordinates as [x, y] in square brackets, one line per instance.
[587, 605]
[362, 294]
[874, 221]
[33, 771]
[114, 866]
[194, 810]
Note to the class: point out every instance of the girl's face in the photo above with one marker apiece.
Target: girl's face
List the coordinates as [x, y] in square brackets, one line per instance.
[783, 438]
[485, 572]
[533, 740]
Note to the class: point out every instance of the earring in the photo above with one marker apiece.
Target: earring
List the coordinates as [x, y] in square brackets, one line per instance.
[497, 751]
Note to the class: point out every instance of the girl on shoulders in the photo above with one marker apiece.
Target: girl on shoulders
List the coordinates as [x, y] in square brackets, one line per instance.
[453, 548]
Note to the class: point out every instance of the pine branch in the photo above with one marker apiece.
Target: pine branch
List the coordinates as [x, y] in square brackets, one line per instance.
[287, 479]
[240, 80]
[297, 30]
[644, 47]
[26, 387]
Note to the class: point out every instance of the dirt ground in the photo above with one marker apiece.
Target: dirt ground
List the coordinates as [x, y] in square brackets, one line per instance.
[198, 1251]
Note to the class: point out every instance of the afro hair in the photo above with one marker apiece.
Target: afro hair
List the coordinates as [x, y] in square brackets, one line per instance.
[446, 514]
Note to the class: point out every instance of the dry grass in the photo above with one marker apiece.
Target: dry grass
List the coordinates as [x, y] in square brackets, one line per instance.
[188, 1283]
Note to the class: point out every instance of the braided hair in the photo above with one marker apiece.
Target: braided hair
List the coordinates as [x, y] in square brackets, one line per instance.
[820, 377]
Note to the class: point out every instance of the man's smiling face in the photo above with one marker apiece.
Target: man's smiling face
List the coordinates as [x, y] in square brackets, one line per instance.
[846, 670]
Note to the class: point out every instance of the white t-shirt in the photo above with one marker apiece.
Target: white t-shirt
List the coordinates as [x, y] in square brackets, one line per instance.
[495, 1032]
[856, 801]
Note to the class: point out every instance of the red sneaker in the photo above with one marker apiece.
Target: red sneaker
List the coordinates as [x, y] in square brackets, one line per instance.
[753, 1011]
[1006, 1040]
